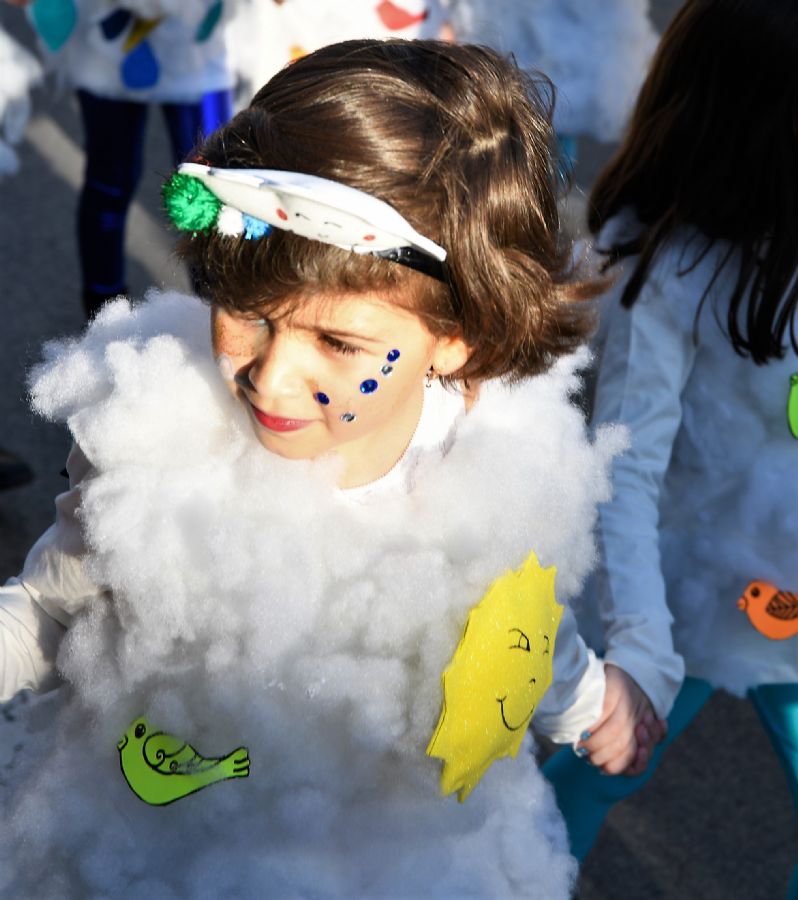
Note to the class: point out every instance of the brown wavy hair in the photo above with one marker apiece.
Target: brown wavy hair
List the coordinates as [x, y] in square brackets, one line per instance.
[457, 139]
[713, 144]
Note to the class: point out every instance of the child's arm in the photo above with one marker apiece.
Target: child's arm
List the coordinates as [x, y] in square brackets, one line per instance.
[647, 360]
[35, 609]
[29, 640]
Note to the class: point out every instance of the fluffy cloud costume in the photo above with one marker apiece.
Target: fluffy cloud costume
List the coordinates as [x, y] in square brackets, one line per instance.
[253, 603]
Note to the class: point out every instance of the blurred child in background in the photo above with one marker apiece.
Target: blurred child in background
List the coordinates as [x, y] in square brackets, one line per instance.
[120, 58]
[696, 218]
[596, 53]
[20, 72]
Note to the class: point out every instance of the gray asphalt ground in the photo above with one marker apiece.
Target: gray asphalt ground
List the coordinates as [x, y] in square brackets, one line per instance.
[716, 822]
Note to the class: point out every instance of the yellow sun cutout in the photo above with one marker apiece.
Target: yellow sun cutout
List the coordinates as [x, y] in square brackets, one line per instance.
[498, 675]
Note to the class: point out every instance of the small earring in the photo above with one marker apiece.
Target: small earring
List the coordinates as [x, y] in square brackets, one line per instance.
[429, 377]
[243, 380]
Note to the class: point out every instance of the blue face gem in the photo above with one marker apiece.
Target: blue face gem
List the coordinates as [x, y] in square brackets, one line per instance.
[348, 417]
[322, 398]
[386, 370]
[368, 386]
[392, 356]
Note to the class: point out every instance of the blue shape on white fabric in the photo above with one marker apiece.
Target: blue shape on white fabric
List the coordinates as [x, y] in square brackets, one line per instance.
[209, 23]
[114, 24]
[140, 68]
[54, 20]
[255, 228]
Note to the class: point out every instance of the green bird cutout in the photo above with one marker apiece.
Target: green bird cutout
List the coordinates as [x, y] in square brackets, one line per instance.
[160, 768]
[792, 406]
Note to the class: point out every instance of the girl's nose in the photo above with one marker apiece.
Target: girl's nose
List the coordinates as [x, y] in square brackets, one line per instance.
[277, 370]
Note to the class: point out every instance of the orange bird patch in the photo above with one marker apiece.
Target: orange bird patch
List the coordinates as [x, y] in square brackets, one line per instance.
[772, 612]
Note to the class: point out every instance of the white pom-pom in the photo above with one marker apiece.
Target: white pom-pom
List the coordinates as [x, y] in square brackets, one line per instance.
[230, 221]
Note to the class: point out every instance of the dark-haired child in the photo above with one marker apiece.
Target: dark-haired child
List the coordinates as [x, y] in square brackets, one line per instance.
[697, 215]
[254, 642]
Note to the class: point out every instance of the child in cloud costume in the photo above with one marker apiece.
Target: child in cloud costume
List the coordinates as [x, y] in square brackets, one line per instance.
[276, 534]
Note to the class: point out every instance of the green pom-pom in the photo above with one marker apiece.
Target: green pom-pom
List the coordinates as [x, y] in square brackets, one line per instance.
[190, 205]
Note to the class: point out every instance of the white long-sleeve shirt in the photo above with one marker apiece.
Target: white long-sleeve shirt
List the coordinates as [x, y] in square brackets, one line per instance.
[706, 499]
[37, 607]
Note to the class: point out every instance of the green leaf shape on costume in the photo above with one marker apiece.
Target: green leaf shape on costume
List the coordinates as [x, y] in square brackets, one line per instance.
[792, 406]
[160, 768]
[189, 204]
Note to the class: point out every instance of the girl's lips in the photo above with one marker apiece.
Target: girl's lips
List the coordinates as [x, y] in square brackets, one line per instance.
[277, 423]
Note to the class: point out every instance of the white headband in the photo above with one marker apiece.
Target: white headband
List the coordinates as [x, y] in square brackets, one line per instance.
[315, 208]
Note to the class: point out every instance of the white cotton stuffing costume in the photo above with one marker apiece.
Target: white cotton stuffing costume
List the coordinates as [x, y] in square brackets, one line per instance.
[250, 602]
[595, 52]
[706, 499]
[19, 72]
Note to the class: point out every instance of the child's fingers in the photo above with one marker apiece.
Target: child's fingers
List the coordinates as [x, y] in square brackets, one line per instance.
[611, 747]
[614, 751]
[658, 728]
[623, 740]
[616, 759]
[645, 736]
[598, 738]
[615, 745]
[639, 764]
[606, 741]
[651, 731]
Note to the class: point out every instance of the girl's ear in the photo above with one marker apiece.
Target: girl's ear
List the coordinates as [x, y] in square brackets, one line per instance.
[450, 354]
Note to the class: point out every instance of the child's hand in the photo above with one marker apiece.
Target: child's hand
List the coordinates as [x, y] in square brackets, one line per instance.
[623, 739]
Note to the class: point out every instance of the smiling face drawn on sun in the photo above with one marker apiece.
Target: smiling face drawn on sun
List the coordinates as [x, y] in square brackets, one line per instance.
[498, 675]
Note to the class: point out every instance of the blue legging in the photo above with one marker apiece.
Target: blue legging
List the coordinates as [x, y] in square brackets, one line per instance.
[114, 136]
[585, 796]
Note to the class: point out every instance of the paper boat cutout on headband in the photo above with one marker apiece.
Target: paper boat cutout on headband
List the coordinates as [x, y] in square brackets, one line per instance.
[315, 208]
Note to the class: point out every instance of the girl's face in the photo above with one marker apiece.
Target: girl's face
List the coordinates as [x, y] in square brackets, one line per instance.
[342, 374]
